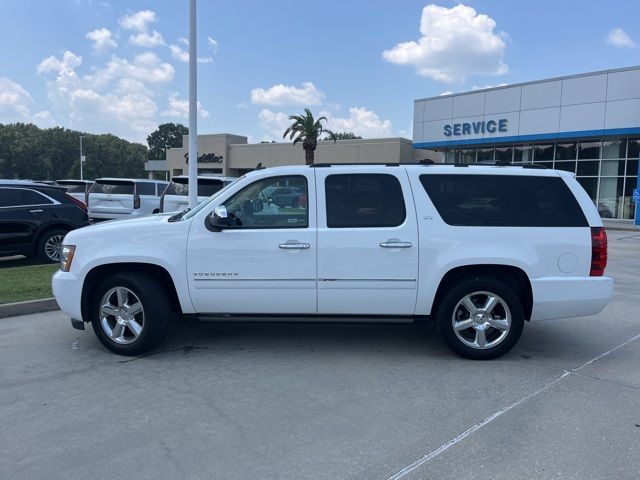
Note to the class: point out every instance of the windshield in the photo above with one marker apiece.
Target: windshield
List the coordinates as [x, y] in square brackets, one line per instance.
[113, 187]
[195, 210]
[206, 187]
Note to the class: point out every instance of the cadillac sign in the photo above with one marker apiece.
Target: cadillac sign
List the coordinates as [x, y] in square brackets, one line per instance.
[206, 158]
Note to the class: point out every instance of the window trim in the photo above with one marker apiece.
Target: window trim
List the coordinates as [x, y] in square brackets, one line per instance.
[240, 227]
[53, 200]
[402, 194]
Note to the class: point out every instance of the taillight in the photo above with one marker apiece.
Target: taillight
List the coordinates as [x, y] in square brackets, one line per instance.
[598, 251]
[77, 202]
[136, 201]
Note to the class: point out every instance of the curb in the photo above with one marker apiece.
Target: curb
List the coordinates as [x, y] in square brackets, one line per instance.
[27, 308]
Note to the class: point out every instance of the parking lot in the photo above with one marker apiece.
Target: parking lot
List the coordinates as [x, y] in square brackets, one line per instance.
[329, 401]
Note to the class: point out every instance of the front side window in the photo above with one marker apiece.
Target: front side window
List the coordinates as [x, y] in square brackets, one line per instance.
[263, 204]
[503, 201]
[20, 197]
[363, 200]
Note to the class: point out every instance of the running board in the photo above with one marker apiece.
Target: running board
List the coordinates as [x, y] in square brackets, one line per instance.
[304, 318]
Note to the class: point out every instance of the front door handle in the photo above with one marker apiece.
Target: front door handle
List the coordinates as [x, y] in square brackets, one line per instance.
[35, 211]
[294, 245]
[393, 243]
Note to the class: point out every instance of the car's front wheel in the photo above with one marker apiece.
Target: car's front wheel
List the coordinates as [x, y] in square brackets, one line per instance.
[50, 244]
[130, 313]
[480, 318]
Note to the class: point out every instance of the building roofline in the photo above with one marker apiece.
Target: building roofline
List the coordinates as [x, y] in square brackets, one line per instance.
[532, 82]
[328, 142]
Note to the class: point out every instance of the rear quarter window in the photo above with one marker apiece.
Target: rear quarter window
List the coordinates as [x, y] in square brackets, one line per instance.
[503, 201]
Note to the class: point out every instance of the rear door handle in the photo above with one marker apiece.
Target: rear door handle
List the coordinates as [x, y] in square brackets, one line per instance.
[294, 245]
[393, 243]
[35, 211]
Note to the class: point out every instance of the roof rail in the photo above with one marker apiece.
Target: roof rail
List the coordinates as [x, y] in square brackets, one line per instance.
[322, 165]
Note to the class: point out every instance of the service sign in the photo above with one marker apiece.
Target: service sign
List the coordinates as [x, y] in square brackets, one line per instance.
[476, 128]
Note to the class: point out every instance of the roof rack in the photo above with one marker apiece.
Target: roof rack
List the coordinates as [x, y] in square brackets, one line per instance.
[323, 165]
[428, 163]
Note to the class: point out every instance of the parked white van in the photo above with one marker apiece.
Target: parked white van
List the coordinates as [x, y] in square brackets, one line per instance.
[176, 196]
[111, 198]
[78, 189]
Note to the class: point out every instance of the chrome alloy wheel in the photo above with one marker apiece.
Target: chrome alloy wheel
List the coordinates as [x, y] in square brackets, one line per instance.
[121, 315]
[52, 247]
[481, 320]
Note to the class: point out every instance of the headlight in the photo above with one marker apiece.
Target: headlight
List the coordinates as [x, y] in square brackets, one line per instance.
[66, 257]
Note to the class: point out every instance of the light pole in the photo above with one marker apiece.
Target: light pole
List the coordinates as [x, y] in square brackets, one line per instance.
[166, 159]
[81, 159]
[193, 107]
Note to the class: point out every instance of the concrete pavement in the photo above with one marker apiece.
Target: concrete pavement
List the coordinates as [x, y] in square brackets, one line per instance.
[244, 401]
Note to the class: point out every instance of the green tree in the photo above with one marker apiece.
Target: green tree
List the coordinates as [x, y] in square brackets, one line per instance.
[345, 136]
[166, 135]
[307, 129]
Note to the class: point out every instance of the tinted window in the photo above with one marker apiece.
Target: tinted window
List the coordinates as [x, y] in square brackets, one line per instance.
[503, 201]
[252, 207]
[206, 188]
[364, 200]
[120, 188]
[13, 197]
[73, 187]
[145, 188]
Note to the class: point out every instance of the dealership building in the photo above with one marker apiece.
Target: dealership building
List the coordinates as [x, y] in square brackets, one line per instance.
[586, 124]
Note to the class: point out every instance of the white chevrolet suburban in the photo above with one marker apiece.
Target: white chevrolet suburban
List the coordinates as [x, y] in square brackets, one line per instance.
[480, 249]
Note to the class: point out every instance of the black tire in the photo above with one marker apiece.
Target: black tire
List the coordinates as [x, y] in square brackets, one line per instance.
[157, 313]
[46, 241]
[449, 305]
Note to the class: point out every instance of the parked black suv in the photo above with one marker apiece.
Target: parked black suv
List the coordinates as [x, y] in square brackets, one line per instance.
[34, 218]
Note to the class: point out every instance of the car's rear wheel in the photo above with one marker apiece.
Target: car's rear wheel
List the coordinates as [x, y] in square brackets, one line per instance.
[50, 244]
[480, 318]
[130, 313]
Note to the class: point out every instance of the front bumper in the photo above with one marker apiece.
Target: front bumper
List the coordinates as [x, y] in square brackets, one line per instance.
[67, 288]
[563, 297]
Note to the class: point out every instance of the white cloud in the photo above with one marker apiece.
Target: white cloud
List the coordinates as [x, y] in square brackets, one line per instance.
[16, 103]
[146, 39]
[273, 122]
[139, 21]
[102, 39]
[146, 67]
[484, 87]
[180, 108]
[456, 43]
[69, 61]
[617, 37]
[361, 121]
[182, 54]
[287, 95]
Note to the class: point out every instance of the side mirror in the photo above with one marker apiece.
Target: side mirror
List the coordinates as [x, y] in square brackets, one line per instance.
[219, 218]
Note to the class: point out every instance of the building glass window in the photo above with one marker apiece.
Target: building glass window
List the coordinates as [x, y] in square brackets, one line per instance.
[612, 168]
[523, 153]
[504, 154]
[567, 166]
[588, 168]
[632, 167]
[610, 197]
[614, 148]
[590, 185]
[543, 152]
[485, 155]
[629, 207]
[566, 151]
[468, 156]
[452, 156]
[634, 148]
[589, 150]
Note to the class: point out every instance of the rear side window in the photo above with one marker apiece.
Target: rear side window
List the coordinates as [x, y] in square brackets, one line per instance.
[503, 201]
[145, 188]
[16, 197]
[206, 188]
[364, 200]
[74, 187]
[116, 188]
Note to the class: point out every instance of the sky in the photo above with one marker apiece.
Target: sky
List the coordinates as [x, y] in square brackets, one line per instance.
[120, 66]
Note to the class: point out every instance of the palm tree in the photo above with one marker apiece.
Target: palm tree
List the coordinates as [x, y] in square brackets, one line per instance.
[307, 129]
